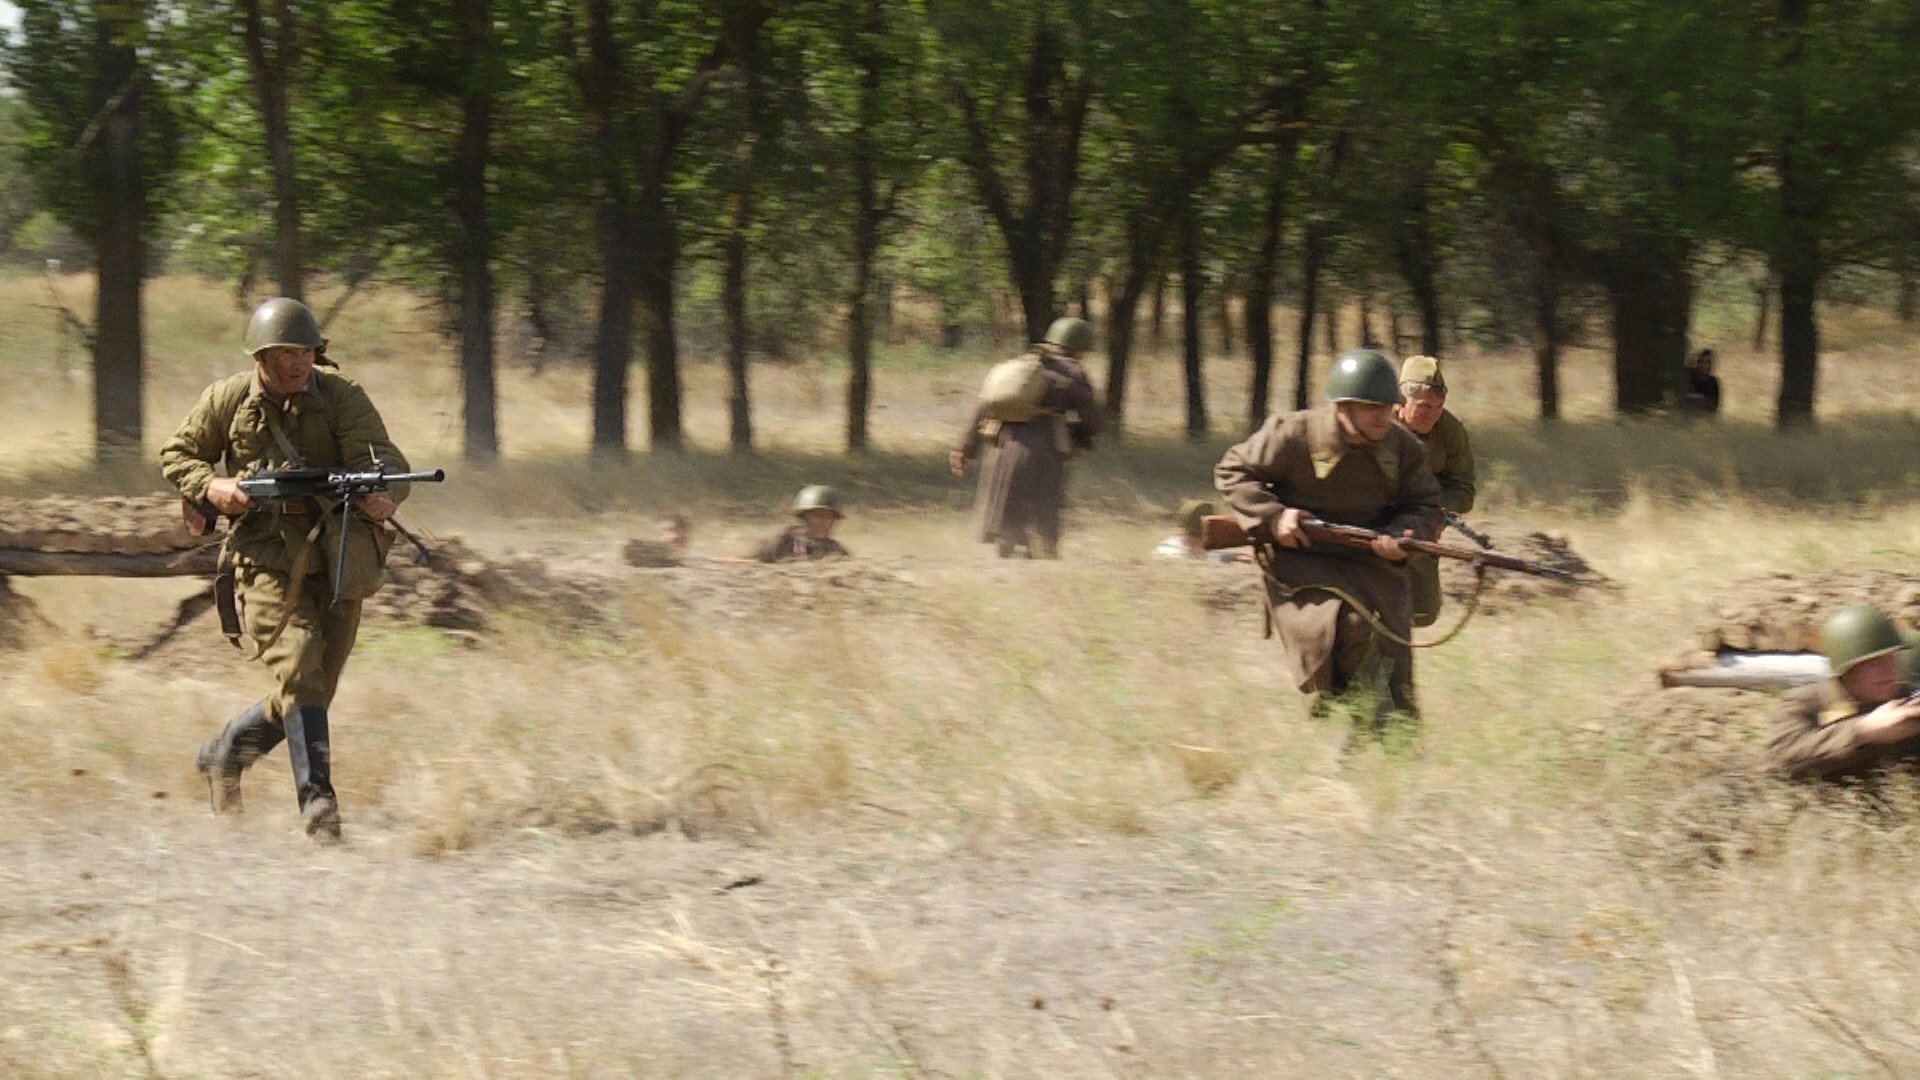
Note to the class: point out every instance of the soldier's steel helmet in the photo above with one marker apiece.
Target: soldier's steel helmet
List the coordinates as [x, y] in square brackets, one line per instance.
[1422, 371]
[817, 497]
[1858, 633]
[1364, 375]
[1191, 514]
[283, 321]
[1910, 659]
[1067, 332]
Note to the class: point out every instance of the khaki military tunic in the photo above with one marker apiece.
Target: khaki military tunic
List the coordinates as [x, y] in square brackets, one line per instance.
[1817, 736]
[1450, 456]
[330, 423]
[1299, 460]
[1023, 468]
[792, 544]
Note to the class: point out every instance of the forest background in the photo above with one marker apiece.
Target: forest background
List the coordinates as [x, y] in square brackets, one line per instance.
[590, 183]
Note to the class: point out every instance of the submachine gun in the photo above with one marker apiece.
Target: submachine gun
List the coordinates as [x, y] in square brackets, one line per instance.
[336, 489]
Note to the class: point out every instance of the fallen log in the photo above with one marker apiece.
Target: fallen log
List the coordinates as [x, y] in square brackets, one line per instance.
[197, 562]
[1750, 670]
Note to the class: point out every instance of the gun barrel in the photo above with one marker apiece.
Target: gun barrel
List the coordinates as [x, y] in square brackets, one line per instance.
[434, 477]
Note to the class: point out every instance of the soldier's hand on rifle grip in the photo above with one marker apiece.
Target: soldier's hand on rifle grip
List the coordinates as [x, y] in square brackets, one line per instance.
[1388, 547]
[377, 505]
[1287, 531]
[225, 495]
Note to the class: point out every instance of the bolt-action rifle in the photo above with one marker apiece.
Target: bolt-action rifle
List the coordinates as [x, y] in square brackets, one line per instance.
[337, 489]
[1220, 533]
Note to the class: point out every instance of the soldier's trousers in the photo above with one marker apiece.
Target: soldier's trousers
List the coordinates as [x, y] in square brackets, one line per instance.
[1423, 574]
[307, 660]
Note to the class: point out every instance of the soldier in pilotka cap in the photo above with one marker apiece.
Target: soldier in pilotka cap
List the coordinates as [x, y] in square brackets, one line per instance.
[1344, 616]
[1423, 410]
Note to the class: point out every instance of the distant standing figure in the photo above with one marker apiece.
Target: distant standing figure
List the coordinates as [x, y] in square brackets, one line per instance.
[1423, 411]
[818, 508]
[1863, 717]
[1703, 386]
[1033, 413]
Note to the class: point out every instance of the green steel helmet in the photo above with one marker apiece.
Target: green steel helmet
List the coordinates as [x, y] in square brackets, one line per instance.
[1910, 659]
[1364, 375]
[1067, 332]
[1856, 634]
[283, 321]
[1191, 514]
[816, 497]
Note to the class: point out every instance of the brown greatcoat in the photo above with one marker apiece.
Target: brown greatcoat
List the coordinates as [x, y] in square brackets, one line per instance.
[1817, 736]
[1299, 460]
[1023, 469]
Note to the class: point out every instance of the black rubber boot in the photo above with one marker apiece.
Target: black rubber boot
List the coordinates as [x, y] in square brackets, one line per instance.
[245, 739]
[307, 748]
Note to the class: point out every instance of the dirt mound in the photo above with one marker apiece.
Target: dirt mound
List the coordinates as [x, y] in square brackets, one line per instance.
[1718, 801]
[121, 525]
[1783, 612]
[1507, 589]
[20, 618]
[778, 591]
[459, 589]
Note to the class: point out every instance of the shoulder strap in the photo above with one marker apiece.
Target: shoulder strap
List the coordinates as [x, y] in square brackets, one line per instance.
[280, 437]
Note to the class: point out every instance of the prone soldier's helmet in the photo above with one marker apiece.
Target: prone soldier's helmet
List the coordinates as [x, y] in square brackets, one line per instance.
[816, 497]
[1364, 375]
[1422, 371]
[1910, 659]
[283, 321]
[1856, 634]
[1067, 332]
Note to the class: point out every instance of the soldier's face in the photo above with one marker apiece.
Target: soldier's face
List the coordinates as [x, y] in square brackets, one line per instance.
[1362, 422]
[675, 534]
[1873, 682]
[1422, 407]
[819, 523]
[284, 369]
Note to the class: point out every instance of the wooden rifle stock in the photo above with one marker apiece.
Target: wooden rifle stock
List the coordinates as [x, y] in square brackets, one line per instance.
[1219, 533]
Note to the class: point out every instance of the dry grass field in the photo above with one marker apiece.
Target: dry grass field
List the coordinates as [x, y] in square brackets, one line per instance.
[931, 814]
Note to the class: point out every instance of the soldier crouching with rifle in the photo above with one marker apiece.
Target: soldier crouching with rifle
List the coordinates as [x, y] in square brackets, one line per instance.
[300, 610]
[1345, 616]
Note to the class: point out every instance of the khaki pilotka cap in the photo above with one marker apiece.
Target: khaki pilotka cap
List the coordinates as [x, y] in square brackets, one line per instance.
[1422, 371]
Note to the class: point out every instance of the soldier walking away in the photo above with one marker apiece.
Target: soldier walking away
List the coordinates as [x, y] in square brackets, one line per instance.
[818, 508]
[1423, 409]
[294, 409]
[1864, 716]
[1344, 616]
[1034, 412]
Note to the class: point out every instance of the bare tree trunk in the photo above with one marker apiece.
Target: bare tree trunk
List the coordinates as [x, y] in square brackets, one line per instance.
[1367, 340]
[1330, 323]
[659, 257]
[1798, 261]
[1763, 309]
[1122, 312]
[120, 247]
[617, 232]
[1259, 301]
[474, 256]
[1191, 316]
[746, 20]
[1907, 308]
[1223, 312]
[868, 58]
[1419, 260]
[1314, 254]
[1651, 289]
[272, 72]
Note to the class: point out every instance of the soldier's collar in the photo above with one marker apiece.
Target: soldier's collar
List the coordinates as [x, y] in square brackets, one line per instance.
[1840, 704]
[1328, 448]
